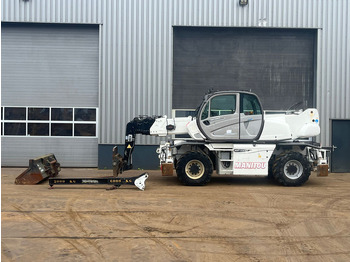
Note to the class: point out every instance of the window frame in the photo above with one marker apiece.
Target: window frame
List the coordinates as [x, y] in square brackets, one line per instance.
[50, 122]
[210, 102]
[256, 103]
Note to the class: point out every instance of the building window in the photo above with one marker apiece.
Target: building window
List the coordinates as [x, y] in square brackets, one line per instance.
[38, 129]
[62, 114]
[84, 114]
[49, 121]
[58, 129]
[38, 113]
[84, 130]
[15, 129]
[15, 113]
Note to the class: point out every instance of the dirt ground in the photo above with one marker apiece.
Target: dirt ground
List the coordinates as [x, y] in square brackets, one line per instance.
[230, 219]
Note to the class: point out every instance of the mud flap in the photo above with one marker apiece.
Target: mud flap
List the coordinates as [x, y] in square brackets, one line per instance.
[39, 169]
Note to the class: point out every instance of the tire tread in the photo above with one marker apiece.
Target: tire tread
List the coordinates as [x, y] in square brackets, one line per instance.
[278, 168]
[184, 159]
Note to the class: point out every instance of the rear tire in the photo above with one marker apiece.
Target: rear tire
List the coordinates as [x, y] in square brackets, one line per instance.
[194, 169]
[291, 169]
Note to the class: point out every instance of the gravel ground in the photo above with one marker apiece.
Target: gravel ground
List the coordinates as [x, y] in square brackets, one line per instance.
[230, 219]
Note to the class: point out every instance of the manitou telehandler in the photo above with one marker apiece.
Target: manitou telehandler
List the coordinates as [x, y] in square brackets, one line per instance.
[233, 135]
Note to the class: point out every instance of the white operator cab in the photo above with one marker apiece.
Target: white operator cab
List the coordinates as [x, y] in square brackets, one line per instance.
[232, 135]
[231, 116]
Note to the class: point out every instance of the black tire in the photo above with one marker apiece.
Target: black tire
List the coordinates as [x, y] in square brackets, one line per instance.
[291, 169]
[194, 169]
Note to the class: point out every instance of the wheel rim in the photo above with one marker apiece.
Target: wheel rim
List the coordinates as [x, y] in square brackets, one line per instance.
[194, 169]
[293, 169]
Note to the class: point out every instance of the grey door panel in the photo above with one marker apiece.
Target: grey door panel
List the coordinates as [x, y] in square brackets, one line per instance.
[220, 117]
[251, 116]
[222, 127]
[250, 126]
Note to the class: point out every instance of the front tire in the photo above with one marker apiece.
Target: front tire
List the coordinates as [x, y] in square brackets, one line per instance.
[194, 169]
[291, 169]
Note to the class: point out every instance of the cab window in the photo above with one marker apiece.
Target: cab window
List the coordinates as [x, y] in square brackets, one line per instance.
[250, 105]
[223, 105]
[219, 106]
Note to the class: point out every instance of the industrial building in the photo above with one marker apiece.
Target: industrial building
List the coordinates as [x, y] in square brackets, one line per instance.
[75, 72]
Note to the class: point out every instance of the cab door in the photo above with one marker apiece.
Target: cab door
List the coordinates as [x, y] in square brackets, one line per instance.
[251, 117]
[219, 117]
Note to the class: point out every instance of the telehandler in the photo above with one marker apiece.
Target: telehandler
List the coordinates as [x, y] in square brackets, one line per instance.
[233, 135]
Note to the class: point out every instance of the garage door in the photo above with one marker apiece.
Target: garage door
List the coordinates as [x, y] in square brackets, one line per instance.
[50, 76]
[276, 64]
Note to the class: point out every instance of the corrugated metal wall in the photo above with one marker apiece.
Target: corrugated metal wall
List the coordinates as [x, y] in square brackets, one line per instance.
[52, 11]
[136, 47]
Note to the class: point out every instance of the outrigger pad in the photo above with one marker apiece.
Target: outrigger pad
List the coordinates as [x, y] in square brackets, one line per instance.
[138, 181]
[39, 169]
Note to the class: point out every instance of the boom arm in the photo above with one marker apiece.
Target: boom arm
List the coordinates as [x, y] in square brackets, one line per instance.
[139, 125]
[147, 125]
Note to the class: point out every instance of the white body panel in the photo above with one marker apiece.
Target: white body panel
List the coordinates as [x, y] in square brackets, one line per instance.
[275, 128]
[291, 126]
[242, 159]
[160, 124]
[194, 131]
[305, 124]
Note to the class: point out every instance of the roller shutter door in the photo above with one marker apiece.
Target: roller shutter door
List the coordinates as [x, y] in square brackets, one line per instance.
[50, 85]
[276, 64]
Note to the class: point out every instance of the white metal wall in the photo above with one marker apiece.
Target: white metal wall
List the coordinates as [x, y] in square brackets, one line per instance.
[136, 47]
